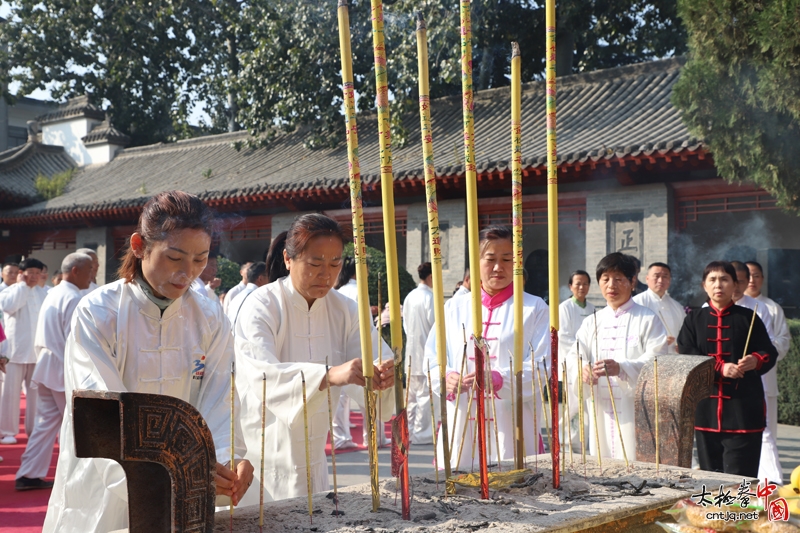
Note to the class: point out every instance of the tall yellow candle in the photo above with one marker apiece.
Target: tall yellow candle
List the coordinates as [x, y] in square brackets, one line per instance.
[433, 228]
[552, 220]
[364, 316]
[516, 208]
[467, 107]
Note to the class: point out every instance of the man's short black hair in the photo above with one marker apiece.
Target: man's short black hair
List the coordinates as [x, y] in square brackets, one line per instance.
[10, 264]
[31, 263]
[424, 270]
[617, 262]
[738, 266]
[255, 270]
[579, 273]
[755, 264]
[660, 265]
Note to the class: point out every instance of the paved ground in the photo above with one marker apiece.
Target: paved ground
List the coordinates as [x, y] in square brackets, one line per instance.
[353, 468]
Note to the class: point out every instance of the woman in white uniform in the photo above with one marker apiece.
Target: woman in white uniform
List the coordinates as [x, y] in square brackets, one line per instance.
[148, 333]
[292, 325]
[497, 291]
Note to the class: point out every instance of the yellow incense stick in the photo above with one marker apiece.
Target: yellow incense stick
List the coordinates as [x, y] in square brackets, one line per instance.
[435, 239]
[360, 244]
[458, 389]
[579, 383]
[565, 393]
[516, 208]
[616, 418]
[750, 331]
[552, 206]
[433, 425]
[494, 411]
[513, 403]
[233, 433]
[467, 416]
[536, 429]
[541, 395]
[658, 444]
[263, 434]
[591, 383]
[308, 450]
[333, 448]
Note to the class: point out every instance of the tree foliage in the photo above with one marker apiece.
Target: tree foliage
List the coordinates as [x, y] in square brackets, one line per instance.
[229, 272]
[275, 65]
[376, 266]
[292, 76]
[740, 90]
[151, 61]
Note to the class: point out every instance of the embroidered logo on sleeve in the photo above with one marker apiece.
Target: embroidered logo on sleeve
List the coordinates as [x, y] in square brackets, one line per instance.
[199, 368]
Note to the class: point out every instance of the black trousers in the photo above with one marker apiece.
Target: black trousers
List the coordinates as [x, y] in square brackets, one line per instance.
[731, 453]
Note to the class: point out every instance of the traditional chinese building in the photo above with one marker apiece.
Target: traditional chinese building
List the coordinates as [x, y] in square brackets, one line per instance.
[631, 178]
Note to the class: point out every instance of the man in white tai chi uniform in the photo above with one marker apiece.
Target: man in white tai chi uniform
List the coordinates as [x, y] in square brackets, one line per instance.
[51, 338]
[656, 298]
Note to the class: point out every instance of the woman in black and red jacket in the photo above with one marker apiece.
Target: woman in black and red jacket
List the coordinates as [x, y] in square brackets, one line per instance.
[729, 423]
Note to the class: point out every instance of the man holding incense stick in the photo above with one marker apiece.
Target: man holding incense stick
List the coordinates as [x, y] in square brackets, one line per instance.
[617, 342]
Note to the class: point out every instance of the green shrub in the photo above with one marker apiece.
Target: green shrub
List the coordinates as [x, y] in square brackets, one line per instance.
[228, 272]
[376, 264]
[789, 380]
[49, 188]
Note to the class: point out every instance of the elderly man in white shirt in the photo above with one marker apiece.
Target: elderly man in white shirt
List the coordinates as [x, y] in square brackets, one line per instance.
[20, 304]
[226, 303]
[656, 298]
[95, 267]
[417, 323]
[51, 337]
[770, 466]
[256, 276]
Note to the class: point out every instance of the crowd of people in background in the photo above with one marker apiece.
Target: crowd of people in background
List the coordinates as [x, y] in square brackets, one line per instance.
[165, 327]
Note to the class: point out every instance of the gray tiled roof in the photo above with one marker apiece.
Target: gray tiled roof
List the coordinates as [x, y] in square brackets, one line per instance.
[20, 166]
[603, 114]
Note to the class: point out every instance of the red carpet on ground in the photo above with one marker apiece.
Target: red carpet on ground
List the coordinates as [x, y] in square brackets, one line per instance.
[21, 512]
[357, 434]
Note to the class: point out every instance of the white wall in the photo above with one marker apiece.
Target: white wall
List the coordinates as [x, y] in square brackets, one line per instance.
[69, 134]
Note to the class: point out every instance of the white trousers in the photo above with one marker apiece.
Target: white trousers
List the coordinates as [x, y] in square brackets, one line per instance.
[16, 373]
[420, 427]
[769, 467]
[35, 461]
[341, 423]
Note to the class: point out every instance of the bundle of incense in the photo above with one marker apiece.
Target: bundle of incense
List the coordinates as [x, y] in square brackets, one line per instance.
[233, 433]
[330, 429]
[308, 451]
[458, 390]
[567, 423]
[494, 412]
[433, 425]
[513, 400]
[579, 383]
[616, 418]
[468, 416]
[591, 382]
[658, 444]
[263, 433]
[542, 386]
